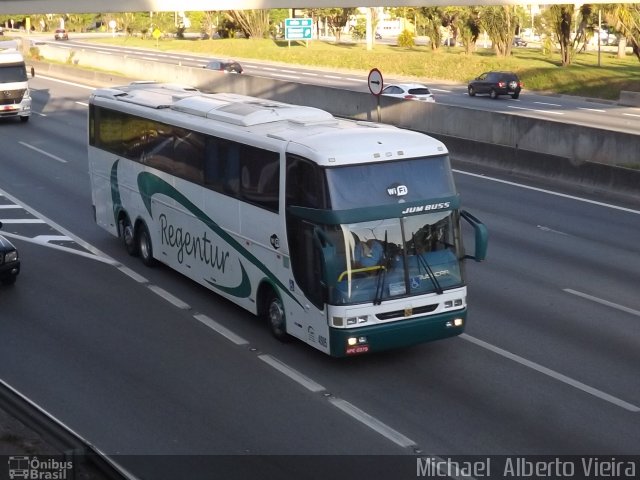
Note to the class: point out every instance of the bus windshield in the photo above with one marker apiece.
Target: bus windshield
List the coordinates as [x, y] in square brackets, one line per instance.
[377, 184]
[378, 260]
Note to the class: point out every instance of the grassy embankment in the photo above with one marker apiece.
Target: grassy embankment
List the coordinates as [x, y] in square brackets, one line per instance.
[538, 71]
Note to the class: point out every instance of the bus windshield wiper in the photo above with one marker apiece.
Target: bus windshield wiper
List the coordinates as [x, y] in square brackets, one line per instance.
[381, 274]
[423, 261]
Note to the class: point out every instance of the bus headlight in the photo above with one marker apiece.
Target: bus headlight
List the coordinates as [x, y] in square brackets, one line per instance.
[453, 303]
[456, 322]
[351, 341]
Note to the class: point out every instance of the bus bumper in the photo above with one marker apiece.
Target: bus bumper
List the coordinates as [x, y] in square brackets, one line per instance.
[402, 333]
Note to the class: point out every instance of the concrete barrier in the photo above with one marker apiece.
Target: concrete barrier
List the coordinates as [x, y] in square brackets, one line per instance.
[629, 99]
[569, 151]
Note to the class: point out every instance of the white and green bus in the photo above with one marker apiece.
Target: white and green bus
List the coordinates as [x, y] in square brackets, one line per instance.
[343, 234]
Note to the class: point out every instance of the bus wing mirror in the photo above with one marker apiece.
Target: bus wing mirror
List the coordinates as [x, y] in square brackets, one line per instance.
[481, 236]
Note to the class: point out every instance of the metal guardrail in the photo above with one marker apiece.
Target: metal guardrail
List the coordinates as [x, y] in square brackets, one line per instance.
[87, 460]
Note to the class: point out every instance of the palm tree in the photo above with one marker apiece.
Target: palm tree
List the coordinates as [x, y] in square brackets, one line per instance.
[433, 22]
[500, 23]
[626, 19]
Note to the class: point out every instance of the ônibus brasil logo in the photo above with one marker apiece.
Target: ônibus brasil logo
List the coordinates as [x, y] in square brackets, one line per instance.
[39, 469]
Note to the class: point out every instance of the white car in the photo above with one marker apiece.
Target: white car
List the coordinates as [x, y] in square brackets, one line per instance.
[409, 91]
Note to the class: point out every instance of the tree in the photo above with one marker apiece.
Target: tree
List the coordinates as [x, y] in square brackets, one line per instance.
[254, 23]
[469, 28]
[560, 19]
[500, 23]
[626, 19]
[337, 19]
[433, 22]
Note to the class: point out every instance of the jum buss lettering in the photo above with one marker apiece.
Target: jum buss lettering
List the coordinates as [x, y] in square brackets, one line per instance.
[198, 247]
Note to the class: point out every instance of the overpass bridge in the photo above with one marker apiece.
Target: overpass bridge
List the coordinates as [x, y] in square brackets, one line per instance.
[94, 6]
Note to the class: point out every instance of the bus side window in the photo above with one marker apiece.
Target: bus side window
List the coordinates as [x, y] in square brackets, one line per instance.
[305, 183]
[260, 177]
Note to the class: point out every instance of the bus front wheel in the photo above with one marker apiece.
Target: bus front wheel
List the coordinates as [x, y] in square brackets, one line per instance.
[144, 246]
[275, 316]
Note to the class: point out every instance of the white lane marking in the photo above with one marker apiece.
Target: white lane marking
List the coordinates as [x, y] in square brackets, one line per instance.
[38, 113]
[617, 306]
[334, 77]
[153, 59]
[552, 373]
[52, 238]
[284, 76]
[293, 374]
[132, 274]
[373, 423]
[551, 230]
[169, 297]
[7, 207]
[78, 85]
[550, 192]
[309, 74]
[440, 90]
[597, 110]
[361, 80]
[61, 248]
[47, 154]
[549, 104]
[631, 114]
[221, 329]
[21, 220]
[101, 256]
[535, 110]
[83, 104]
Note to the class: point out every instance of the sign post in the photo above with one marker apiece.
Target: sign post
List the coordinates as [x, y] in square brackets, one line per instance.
[298, 29]
[376, 84]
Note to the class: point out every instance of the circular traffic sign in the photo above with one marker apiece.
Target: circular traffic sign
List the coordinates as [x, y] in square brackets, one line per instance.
[375, 81]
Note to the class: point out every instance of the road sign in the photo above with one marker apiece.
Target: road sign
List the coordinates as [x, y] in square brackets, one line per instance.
[298, 28]
[375, 81]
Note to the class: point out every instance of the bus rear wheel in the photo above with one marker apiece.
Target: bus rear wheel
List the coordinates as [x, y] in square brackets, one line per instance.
[275, 316]
[144, 246]
[128, 236]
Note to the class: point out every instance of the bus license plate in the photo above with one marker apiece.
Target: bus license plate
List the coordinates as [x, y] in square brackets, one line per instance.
[357, 349]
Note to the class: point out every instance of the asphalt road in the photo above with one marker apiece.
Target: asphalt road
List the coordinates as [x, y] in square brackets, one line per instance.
[144, 362]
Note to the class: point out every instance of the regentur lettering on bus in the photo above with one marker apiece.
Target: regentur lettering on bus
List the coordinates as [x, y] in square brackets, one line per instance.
[198, 247]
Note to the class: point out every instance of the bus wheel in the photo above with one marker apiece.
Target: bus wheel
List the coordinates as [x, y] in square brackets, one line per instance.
[128, 236]
[275, 316]
[144, 246]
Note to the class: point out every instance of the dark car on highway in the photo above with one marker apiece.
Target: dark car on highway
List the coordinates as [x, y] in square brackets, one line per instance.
[61, 34]
[9, 261]
[519, 42]
[495, 84]
[226, 66]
